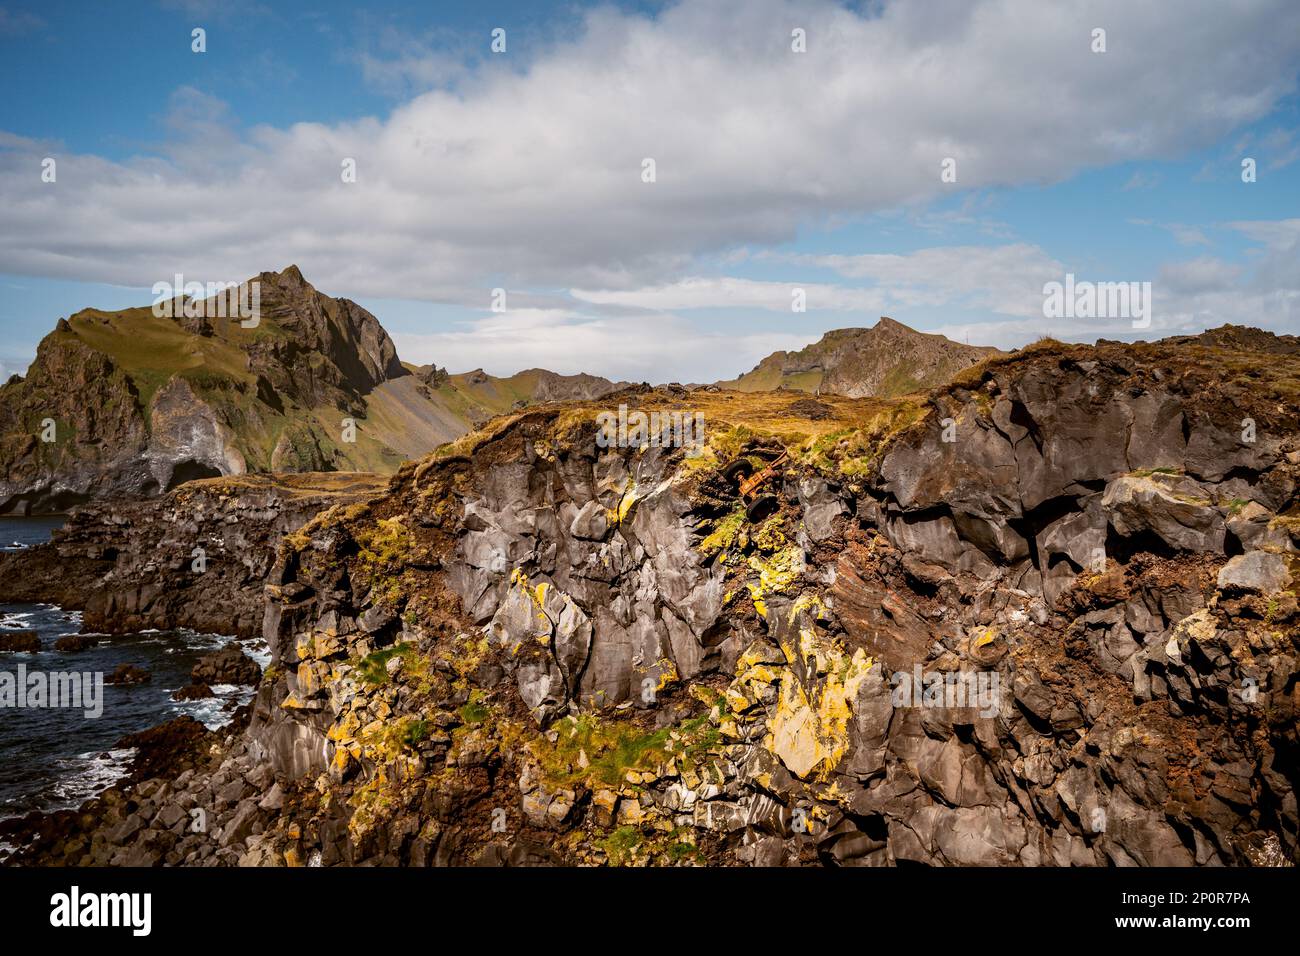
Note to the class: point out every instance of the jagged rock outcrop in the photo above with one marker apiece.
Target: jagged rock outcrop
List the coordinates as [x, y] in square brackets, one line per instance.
[1037, 467]
[230, 665]
[1240, 338]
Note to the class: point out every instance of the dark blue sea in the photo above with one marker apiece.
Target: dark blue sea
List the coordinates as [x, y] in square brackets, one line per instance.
[56, 757]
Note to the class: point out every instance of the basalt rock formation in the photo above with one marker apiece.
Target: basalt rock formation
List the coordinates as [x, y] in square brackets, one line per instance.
[1046, 615]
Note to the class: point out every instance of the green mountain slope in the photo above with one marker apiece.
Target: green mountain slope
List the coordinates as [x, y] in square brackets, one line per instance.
[884, 361]
[136, 402]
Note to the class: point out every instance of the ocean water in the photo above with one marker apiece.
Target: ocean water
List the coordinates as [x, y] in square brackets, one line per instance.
[57, 757]
[16, 532]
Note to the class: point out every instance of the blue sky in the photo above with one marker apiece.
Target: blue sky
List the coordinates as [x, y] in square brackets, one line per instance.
[775, 169]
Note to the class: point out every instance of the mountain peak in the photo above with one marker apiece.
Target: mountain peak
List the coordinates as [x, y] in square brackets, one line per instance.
[290, 275]
[883, 361]
[886, 324]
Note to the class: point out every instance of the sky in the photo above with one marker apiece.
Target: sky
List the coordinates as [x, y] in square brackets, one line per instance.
[940, 162]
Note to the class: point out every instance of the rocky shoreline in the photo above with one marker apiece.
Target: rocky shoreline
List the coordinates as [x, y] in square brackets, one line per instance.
[197, 557]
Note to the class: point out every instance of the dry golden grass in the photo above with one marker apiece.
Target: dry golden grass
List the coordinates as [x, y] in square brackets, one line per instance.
[348, 483]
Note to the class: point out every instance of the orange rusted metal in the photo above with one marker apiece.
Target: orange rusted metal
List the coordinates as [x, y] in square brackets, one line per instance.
[758, 479]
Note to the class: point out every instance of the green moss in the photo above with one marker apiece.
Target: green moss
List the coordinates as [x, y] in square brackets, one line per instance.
[384, 546]
[631, 846]
[778, 573]
[854, 452]
[415, 731]
[588, 749]
[684, 852]
[474, 712]
[727, 443]
[770, 536]
[621, 845]
[373, 668]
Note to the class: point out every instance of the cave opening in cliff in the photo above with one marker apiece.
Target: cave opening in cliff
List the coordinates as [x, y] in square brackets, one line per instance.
[191, 470]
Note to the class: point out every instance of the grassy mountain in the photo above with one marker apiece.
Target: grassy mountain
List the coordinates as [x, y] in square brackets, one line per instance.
[884, 361]
[130, 402]
[133, 403]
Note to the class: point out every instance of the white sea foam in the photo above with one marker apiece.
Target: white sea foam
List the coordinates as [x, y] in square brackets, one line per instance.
[258, 650]
[88, 774]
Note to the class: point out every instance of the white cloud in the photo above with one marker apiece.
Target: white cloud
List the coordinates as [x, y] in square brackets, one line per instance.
[1007, 281]
[19, 23]
[1184, 234]
[1007, 278]
[1143, 180]
[532, 176]
[570, 342]
[1195, 276]
[730, 292]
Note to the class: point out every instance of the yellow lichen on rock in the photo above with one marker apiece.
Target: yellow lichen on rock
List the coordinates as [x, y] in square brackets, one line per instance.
[620, 511]
[810, 729]
[780, 572]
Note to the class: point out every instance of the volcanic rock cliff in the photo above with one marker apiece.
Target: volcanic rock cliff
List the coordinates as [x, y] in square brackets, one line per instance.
[1046, 615]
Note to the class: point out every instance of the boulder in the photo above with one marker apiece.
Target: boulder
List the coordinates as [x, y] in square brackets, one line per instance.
[230, 665]
[20, 641]
[128, 674]
[1175, 509]
[1260, 571]
[75, 643]
[193, 692]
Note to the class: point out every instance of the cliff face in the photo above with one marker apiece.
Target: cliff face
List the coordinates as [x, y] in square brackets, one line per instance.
[126, 404]
[1047, 615]
[886, 360]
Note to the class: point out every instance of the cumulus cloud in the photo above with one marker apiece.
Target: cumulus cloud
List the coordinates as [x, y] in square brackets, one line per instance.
[1007, 278]
[1188, 296]
[1007, 281]
[1205, 274]
[533, 176]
